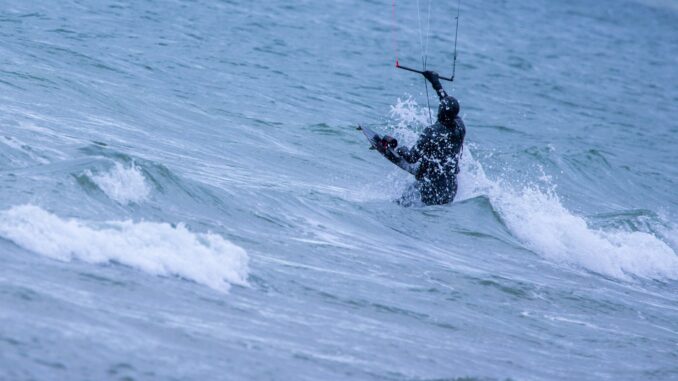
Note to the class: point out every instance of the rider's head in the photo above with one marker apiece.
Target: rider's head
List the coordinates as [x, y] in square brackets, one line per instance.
[448, 110]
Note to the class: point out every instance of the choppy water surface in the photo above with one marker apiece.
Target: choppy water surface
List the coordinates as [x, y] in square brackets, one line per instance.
[184, 194]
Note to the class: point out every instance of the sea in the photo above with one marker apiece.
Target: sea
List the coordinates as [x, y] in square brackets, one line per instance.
[184, 194]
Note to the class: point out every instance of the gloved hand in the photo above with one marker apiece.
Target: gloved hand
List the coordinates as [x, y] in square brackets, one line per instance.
[389, 141]
[434, 78]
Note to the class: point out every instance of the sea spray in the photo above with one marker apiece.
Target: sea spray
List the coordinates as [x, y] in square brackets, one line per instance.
[123, 184]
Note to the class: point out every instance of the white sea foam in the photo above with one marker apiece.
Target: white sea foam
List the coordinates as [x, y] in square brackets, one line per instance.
[537, 217]
[156, 248]
[123, 184]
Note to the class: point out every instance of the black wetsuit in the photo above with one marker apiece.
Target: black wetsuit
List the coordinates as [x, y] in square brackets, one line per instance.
[439, 150]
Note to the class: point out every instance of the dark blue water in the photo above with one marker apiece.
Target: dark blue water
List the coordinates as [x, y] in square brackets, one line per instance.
[184, 195]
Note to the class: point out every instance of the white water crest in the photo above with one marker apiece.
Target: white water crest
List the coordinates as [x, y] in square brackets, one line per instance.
[156, 248]
[123, 184]
[538, 218]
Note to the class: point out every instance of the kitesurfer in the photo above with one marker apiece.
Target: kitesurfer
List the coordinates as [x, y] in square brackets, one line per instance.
[438, 149]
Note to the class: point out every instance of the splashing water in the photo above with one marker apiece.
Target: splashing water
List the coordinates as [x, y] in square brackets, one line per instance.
[123, 184]
[407, 119]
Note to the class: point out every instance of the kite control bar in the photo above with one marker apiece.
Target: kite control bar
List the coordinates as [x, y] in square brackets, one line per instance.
[450, 79]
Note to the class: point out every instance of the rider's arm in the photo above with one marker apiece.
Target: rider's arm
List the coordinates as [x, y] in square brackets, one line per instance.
[412, 155]
[433, 77]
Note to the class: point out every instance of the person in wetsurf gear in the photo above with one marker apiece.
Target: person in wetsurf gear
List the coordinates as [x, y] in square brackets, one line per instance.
[438, 149]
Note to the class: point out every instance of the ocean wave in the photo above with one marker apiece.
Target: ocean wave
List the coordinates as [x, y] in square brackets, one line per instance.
[156, 248]
[122, 184]
[538, 218]
[16, 153]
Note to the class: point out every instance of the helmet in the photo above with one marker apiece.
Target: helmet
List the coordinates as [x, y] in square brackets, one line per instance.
[448, 110]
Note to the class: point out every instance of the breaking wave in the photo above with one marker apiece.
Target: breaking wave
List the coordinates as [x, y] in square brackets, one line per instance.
[123, 184]
[156, 248]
